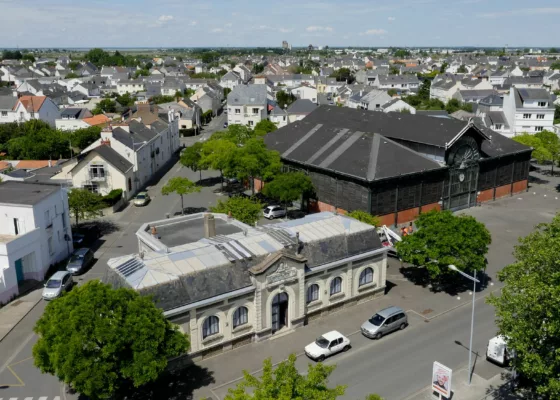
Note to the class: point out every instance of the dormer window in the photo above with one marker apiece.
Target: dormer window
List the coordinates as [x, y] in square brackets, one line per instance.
[542, 103]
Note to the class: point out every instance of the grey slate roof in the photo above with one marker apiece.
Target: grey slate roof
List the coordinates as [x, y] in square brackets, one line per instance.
[247, 95]
[7, 102]
[14, 192]
[113, 158]
[301, 106]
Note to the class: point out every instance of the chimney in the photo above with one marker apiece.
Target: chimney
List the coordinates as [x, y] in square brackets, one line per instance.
[209, 226]
[297, 243]
[50, 163]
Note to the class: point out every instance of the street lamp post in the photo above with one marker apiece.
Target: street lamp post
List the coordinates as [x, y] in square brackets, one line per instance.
[475, 281]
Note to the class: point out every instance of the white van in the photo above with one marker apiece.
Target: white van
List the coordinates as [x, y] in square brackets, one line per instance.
[497, 351]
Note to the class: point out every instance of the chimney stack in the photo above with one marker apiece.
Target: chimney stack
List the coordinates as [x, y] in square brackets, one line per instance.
[209, 226]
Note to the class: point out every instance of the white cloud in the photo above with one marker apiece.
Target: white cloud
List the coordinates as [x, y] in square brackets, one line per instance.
[193, 23]
[228, 25]
[315, 28]
[522, 11]
[375, 32]
[391, 19]
[165, 18]
[217, 30]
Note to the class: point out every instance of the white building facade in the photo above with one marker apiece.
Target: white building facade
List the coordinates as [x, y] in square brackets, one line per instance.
[34, 233]
[529, 110]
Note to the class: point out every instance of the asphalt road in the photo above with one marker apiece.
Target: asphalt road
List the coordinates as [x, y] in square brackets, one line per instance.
[400, 364]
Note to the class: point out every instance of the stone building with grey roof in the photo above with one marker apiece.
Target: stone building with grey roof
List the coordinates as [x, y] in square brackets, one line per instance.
[227, 284]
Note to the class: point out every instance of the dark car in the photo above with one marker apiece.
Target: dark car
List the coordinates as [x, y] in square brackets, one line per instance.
[80, 260]
[85, 235]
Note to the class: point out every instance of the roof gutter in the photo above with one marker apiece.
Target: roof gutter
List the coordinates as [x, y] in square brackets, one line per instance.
[346, 260]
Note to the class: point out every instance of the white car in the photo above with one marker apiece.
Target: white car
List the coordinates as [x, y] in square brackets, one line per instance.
[272, 212]
[324, 346]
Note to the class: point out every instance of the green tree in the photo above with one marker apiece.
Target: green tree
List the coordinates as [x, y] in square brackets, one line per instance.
[218, 154]
[82, 138]
[424, 92]
[265, 126]
[226, 92]
[191, 158]
[84, 204]
[285, 99]
[365, 217]
[180, 186]
[402, 53]
[28, 57]
[343, 75]
[444, 239]
[462, 69]
[126, 100]
[244, 209]
[527, 308]
[160, 99]
[555, 66]
[71, 75]
[443, 67]
[34, 140]
[141, 72]
[99, 340]
[12, 55]
[392, 92]
[284, 382]
[289, 187]
[105, 106]
[557, 110]
[394, 70]
[551, 143]
[545, 144]
[74, 65]
[255, 160]
[453, 105]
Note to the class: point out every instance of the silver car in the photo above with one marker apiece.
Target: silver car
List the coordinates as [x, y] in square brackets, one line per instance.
[59, 283]
[272, 212]
[385, 321]
[80, 260]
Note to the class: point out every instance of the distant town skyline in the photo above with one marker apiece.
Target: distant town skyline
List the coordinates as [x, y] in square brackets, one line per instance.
[249, 23]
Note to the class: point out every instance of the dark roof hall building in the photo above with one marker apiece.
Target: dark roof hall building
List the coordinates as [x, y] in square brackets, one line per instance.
[396, 165]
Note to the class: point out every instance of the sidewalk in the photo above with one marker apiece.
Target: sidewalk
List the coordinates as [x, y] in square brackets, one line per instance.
[12, 313]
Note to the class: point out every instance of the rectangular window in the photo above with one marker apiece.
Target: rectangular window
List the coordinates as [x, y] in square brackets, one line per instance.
[94, 188]
[542, 103]
[540, 116]
[16, 226]
[255, 110]
[238, 111]
[47, 218]
[97, 171]
[4, 114]
[539, 128]
[526, 116]
[251, 123]
[498, 126]
[64, 220]
[32, 114]
[51, 249]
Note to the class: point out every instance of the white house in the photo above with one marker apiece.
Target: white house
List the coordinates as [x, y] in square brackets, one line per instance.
[72, 119]
[279, 117]
[305, 93]
[230, 80]
[243, 72]
[400, 83]
[130, 86]
[99, 170]
[397, 105]
[34, 233]
[36, 107]
[529, 110]
[7, 106]
[374, 100]
[247, 105]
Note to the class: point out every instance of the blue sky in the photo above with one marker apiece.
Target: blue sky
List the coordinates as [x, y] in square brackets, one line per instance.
[191, 23]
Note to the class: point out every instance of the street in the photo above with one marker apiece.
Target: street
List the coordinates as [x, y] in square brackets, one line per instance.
[396, 367]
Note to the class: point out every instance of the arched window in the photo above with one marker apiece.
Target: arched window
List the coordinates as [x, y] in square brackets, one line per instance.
[366, 276]
[211, 326]
[240, 316]
[336, 285]
[312, 293]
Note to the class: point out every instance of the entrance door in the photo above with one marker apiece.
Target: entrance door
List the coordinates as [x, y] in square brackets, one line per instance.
[460, 187]
[279, 311]
[19, 270]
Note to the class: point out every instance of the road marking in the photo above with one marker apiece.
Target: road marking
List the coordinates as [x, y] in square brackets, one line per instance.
[20, 361]
[18, 350]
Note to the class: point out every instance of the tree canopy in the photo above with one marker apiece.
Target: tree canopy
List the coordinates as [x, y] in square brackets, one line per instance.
[99, 340]
[365, 217]
[284, 382]
[265, 126]
[217, 154]
[84, 204]
[444, 239]
[343, 74]
[255, 160]
[191, 158]
[180, 186]
[33, 140]
[82, 138]
[243, 209]
[105, 106]
[545, 144]
[527, 307]
[284, 99]
[100, 57]
[288, 187]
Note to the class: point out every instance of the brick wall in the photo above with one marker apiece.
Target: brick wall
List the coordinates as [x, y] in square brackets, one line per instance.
[485, 195]
[504, 190]
[519, 186]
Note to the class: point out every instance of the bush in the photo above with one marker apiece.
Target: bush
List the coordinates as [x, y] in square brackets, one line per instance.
[112, 197]
[187, 132]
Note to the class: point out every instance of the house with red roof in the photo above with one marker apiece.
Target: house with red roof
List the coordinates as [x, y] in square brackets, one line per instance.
[36, 107]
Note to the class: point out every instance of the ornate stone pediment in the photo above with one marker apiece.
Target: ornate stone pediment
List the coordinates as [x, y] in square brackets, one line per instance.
[279, 268]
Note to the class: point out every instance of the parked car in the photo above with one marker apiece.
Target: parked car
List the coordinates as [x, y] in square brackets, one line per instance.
[59, 283]
[274, 211]
[497, 351]
[324, 346]
[80, 260]
[385, 321]
[141, 199]
[225, 124]
[85, 235]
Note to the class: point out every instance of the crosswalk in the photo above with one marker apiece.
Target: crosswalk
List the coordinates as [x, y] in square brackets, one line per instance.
[31, 398]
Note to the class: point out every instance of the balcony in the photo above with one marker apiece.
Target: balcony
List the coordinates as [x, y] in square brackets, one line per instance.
[97, 177]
